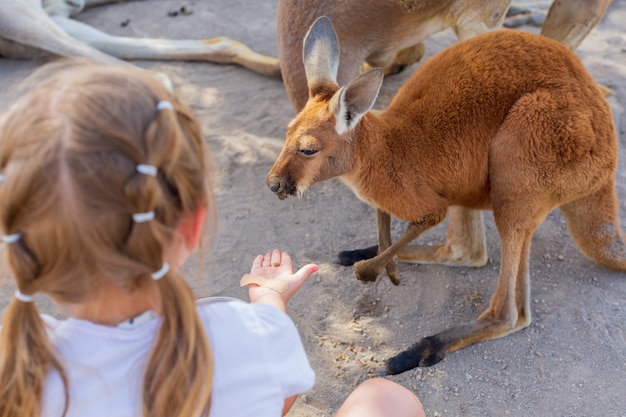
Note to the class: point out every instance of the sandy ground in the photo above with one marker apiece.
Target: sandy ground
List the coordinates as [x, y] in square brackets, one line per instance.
[570, 362]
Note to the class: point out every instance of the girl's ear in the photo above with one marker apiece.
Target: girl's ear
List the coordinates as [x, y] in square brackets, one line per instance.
[191, 227]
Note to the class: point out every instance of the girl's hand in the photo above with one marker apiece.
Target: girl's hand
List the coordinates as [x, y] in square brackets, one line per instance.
[277, 265]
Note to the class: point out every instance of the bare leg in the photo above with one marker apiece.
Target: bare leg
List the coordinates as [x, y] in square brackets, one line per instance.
[381, 397]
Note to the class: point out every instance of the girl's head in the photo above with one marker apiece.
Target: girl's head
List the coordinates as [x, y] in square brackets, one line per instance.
[99, 164]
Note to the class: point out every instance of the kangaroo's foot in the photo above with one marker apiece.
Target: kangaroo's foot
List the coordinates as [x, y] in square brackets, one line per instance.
[350, 257]
[367, 271]
[432, 349]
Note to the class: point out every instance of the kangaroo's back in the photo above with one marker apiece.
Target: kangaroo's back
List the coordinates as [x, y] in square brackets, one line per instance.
[482, 77]
[455, 104]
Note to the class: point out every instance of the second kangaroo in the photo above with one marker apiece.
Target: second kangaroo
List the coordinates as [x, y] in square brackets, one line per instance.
[507, 121]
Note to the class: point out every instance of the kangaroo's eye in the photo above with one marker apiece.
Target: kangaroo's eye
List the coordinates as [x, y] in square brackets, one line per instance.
[308, 152]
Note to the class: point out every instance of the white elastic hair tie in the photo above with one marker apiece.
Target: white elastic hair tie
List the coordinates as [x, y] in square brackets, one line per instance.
[11, 238]
[23, 297]
[161, 272]
[164, 104]
[147, 169]
[143, 217]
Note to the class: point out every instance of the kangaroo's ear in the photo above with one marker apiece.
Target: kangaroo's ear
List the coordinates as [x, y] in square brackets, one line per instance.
[321, 55]
[352, 101]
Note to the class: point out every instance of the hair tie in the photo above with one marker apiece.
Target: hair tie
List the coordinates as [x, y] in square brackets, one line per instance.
[143, 217]
[161, 272]
[147, 169]
[23, 297]
[164, 104]
[11, 238]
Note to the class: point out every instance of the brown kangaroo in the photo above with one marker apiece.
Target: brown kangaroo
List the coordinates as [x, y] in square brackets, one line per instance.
[507, 121]
[389, 33]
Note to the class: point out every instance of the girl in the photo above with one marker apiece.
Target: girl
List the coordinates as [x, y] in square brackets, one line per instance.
[104, 191]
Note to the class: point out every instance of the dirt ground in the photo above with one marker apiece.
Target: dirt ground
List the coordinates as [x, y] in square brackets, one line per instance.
[570, 362]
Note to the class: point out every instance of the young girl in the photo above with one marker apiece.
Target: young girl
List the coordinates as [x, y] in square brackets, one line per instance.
[104, 190]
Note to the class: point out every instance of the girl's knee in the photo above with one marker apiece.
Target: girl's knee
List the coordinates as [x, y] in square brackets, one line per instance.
[379, 397]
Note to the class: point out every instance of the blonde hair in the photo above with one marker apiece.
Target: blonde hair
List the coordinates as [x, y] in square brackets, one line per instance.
[68, 153]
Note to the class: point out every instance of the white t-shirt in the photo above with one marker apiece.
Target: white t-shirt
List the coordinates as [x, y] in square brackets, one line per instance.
[258, 356]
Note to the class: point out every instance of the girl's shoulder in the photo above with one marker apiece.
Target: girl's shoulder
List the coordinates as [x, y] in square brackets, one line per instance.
[234, 314]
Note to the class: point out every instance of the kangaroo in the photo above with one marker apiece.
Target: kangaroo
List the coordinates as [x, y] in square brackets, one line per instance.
[390, 33]
[40, 28]
[507, 120]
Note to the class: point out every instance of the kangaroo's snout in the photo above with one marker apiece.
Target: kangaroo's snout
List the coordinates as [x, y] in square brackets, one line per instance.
[283, 187]
[274, 184]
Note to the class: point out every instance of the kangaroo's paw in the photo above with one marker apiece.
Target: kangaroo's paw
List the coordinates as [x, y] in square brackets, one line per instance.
[350, 257]
[367, 271]
[426, 352]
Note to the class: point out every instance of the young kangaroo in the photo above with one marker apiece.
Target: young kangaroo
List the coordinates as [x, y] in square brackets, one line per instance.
[507, 121]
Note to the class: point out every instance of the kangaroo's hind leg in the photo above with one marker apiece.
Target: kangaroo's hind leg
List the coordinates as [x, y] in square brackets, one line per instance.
[594, 224]
[509, 308]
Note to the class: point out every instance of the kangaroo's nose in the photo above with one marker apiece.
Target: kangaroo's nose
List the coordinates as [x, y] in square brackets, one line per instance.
[274, 184]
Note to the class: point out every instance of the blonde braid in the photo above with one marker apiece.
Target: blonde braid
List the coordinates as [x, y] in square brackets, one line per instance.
[26, 358]
[88, 128]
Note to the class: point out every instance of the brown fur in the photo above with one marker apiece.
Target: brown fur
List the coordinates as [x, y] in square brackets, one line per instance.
[485, 124]
[389, 33]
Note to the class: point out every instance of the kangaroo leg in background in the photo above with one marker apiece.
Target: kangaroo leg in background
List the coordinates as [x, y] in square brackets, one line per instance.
[465, 244]
[30, 29]
[218, 50]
